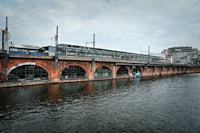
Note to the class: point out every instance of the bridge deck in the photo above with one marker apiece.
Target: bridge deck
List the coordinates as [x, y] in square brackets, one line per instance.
[90, 59]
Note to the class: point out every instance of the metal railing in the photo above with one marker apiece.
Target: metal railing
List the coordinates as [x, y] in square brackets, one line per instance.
[79, 51]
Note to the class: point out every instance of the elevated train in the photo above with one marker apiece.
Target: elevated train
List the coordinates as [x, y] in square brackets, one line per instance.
[68, 50]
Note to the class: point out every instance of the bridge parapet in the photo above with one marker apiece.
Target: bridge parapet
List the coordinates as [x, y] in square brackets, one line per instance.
[30, 56]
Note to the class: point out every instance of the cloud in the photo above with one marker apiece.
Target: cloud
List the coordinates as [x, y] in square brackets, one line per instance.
[127, 25]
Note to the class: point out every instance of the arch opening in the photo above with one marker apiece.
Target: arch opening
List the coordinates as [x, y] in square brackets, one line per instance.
[102, 72]
[28, 72]
[122, 71]
[136, 72]
[73, 72]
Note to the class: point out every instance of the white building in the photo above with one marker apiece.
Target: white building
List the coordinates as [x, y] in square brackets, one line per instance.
[183, 55]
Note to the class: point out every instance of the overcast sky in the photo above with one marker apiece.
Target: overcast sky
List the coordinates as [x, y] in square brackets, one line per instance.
[125, 25]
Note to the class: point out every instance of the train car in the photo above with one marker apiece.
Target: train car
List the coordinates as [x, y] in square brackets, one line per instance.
[22, 50]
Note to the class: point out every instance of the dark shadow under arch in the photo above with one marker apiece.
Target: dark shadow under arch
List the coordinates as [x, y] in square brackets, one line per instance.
[28, 72]
[73, 72]
[102, 72]
[137, 72]
[122, 71]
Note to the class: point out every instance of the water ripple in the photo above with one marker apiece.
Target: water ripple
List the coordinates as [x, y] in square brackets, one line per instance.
[170, 104]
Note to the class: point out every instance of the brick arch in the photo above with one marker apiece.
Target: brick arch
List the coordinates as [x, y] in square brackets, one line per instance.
[179, 70]
[98, 65]
[74, 64]
[135, 71]
[147, 71]
[12, 67]
[102, 66]
[128, 69]
[43, 65]
[156, 71]
[141, 68]
[170, 71]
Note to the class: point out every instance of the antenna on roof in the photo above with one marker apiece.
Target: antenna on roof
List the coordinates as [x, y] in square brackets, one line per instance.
[6, 24]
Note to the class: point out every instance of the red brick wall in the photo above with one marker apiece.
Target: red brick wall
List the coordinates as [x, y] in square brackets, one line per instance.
[54, 75]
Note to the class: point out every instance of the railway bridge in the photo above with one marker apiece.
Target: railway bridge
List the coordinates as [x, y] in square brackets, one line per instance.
[56, 69]
[83, 65]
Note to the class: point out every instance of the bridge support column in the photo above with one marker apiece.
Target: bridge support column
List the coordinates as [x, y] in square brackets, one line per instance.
[54, 76]
[175, 71]
[114, 72]
[130, 72]
[91, 76]
[178, 70]
[92, 70]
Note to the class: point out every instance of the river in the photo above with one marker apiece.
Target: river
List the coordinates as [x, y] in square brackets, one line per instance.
[159, 105]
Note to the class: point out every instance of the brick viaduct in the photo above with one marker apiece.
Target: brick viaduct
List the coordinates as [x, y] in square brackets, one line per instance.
[90, 66]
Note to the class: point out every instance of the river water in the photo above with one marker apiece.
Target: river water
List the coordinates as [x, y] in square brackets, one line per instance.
[162, 105]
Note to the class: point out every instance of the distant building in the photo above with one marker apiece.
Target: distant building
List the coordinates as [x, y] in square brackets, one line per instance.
[165, 54]
[183, 55]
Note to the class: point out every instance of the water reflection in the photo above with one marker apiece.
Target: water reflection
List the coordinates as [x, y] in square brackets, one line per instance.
[53, 91]
[89, 89]
[123, 105]
[31, 96]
